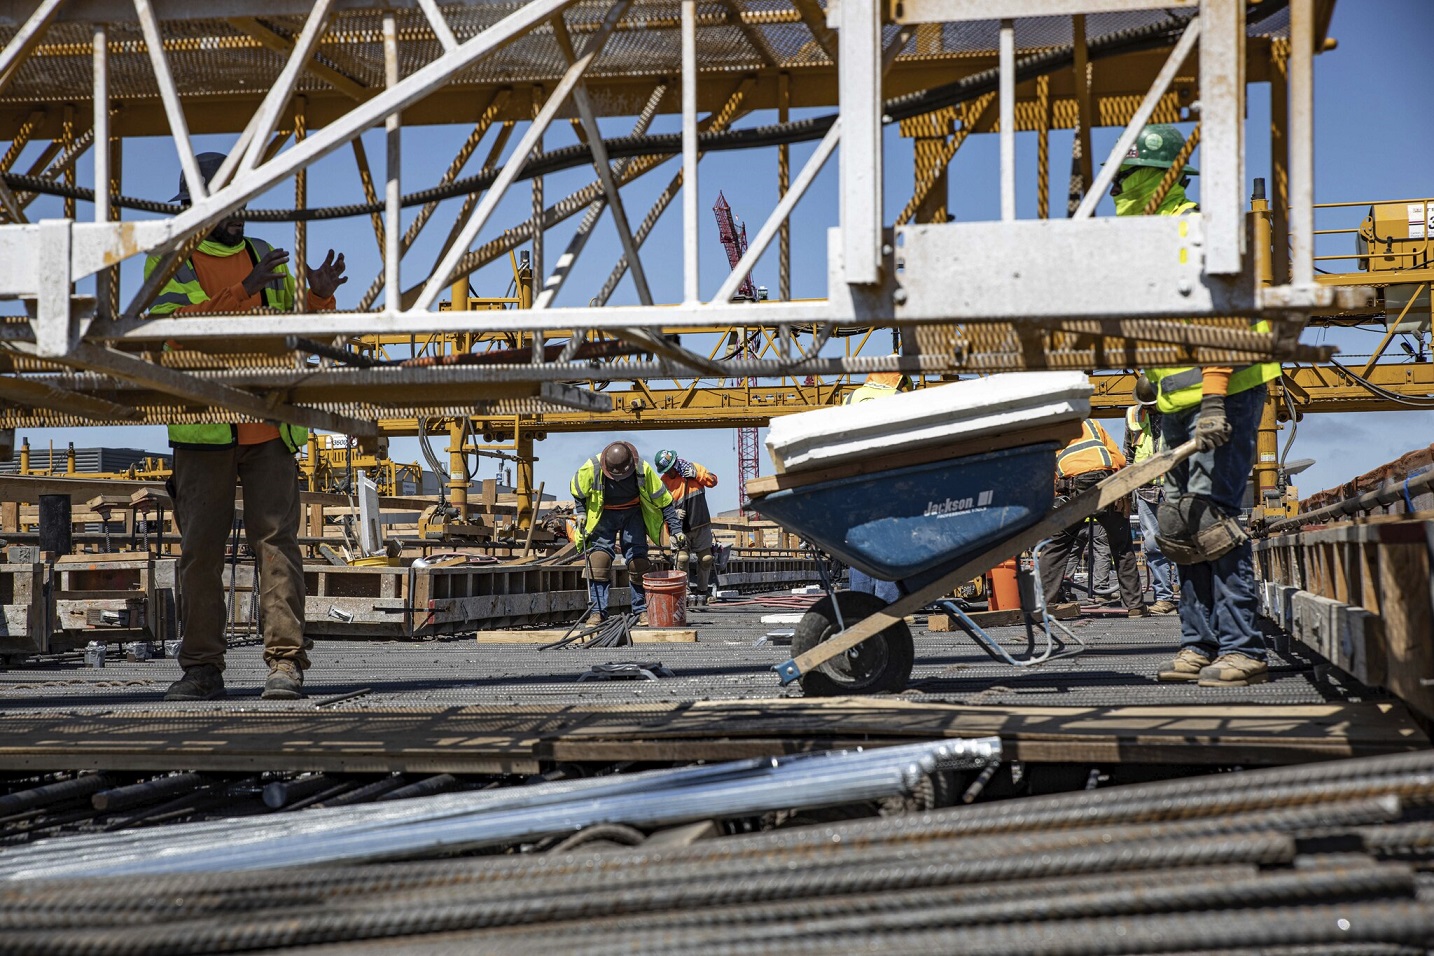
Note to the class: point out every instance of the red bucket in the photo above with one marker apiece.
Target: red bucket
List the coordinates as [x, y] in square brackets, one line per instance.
[666, 598]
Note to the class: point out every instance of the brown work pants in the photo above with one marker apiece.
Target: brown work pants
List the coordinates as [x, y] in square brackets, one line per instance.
[205, 482]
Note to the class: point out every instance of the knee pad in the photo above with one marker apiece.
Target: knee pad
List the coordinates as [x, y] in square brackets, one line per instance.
[601, 565]
[705, 562]
[1192, 530]
[637, 567]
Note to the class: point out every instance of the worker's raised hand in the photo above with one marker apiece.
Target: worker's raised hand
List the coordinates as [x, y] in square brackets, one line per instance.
[326, 279]
[266, 271]
[679, 541]
[1213, 429]
[681, 514]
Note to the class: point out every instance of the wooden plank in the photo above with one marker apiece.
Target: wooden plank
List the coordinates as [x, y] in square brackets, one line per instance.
[945, 622]
[224, 737]
[1061, 434]
[640, 635]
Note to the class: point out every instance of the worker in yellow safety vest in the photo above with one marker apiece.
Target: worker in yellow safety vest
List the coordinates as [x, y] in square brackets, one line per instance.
[1081, 465]
[1219, 407]
[622, 503]
[1143, 439]
[231, 272]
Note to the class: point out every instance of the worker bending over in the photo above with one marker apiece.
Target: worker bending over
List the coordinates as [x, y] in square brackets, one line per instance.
[624, 504]
[230, 272]
[1221, 645]
[1081, 465]
[688, 482]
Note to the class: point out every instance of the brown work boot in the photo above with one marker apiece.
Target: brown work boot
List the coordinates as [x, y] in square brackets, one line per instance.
[286, 681]
[1141, 611]
[1164, 607]
[1187, 666]
[641, 619]
[1234, 670]
[200, 682]
[594, 619]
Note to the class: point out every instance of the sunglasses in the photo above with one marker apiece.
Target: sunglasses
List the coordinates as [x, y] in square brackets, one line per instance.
[1116, 183]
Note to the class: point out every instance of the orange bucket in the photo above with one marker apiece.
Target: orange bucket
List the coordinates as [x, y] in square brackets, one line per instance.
[666, 598]
[1005, 594]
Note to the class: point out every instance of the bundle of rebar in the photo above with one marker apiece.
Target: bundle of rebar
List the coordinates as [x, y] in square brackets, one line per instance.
[1329, 858]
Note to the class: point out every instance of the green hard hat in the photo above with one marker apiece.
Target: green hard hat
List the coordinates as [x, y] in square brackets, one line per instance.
[664, 459]
[1157, 146]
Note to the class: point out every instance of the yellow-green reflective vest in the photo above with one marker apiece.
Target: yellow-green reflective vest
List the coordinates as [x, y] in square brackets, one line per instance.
[1180, 388]
[183, 289]
[587, 490]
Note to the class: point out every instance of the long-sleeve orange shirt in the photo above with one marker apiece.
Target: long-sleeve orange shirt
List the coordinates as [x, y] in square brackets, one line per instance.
[222, 278]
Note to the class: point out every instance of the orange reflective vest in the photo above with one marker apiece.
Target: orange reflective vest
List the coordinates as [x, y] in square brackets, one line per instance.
[1094, 450]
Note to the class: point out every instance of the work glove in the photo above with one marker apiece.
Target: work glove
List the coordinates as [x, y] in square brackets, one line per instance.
[1213, 429]
[679, 541]
[681, 514]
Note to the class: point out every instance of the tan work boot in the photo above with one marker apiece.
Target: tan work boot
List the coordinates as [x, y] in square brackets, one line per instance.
[641, 619]
[1163, 607]
[1141, 611]
[1234, 670]
[286, 681]
[1187, 666]
[594, 619]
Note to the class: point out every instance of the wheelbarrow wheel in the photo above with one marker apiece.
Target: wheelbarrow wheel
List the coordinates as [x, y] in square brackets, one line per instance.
[881, 663]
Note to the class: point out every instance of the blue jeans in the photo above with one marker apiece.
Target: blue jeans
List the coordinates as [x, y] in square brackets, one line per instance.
[621, 531]
[861, 581]
[1218, 603]
[1155, 559]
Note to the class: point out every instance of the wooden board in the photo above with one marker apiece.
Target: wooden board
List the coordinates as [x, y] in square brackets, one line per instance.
[945, 622]
[886, 460]
[355, 737]
[640, 635]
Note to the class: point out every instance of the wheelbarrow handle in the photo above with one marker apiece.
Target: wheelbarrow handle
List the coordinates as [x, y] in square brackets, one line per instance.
[1082, 506]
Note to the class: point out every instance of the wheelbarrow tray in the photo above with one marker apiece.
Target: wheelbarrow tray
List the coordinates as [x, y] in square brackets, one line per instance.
[915, 521]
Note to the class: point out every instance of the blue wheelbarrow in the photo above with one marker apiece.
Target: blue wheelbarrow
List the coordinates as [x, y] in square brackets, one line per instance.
[928, 527]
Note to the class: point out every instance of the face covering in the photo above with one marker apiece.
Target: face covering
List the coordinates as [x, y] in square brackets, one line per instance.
[1140, 185]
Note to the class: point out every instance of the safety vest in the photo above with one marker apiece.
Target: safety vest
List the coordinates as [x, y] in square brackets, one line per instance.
[1180, 388]
[183, 289]
[587, 490]
[1090, 452]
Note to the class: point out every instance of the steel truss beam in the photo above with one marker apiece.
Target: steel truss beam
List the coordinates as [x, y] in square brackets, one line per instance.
[951, 287]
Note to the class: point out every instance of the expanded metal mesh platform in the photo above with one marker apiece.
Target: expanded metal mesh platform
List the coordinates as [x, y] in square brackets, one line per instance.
[454, 704]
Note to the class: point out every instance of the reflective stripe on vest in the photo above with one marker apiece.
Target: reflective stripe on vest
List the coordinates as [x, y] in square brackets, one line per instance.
[1095, 442]
[1182, 388]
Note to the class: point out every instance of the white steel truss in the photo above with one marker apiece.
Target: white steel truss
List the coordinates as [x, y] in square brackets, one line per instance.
[1150, 274]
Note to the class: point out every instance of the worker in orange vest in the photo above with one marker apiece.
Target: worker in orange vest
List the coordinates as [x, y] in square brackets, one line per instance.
[687, 482]
[1081, 465]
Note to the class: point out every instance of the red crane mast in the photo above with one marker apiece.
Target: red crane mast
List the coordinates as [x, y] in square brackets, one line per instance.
[733, 234]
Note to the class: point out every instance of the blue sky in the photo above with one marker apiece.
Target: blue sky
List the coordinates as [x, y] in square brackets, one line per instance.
[1373, 142]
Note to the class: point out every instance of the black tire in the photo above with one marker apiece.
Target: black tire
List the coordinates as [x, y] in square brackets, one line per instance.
[879, 664]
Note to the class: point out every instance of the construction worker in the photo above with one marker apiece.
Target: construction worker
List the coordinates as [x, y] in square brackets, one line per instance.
[1219, 407]
[877, 385]
[688, 482]
[624, 503]
[1143, 439]
[232, 272]
[1081, 465]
